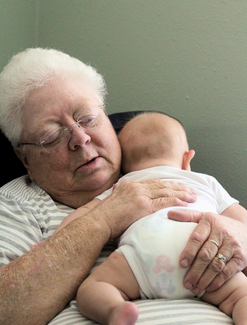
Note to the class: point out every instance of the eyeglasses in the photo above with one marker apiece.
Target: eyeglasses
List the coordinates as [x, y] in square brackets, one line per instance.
[61, 137]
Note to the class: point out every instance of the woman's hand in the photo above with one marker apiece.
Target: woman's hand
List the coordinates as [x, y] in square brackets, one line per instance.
[131, 201]
[208, 272]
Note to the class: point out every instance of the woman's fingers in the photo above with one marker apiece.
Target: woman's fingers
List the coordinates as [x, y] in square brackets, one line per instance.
[204, 268]
[196, 240]
[185, 215]
[171, 193]
[216, 250]
[232, 254]
[227, 272]
[216, 269]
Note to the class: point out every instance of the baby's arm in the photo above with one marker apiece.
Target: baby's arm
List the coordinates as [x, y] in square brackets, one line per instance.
[231, 298]
[237, 212]
[78, 213]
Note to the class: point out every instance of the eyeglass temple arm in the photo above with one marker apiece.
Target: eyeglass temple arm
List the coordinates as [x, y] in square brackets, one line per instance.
[30, 143]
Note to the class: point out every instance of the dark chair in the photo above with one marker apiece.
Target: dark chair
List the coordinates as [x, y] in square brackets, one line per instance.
[11, 166]
[119, 119]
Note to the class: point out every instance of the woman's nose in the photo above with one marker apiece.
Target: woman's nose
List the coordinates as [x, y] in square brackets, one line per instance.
[79, 137]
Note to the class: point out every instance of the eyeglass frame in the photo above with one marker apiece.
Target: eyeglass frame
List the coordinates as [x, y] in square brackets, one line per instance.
[64, 129]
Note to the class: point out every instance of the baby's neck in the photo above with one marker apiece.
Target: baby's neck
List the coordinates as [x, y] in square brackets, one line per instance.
[154, 162]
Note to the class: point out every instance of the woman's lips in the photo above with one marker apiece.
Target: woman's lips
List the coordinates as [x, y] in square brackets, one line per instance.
[90, 163]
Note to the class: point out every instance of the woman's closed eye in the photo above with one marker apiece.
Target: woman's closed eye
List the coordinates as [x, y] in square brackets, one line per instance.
[54, 137]
[87, 121]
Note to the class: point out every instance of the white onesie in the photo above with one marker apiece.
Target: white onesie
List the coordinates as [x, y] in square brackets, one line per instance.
[153, 244]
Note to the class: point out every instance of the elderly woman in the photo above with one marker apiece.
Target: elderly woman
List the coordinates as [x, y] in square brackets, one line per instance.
[52, 111]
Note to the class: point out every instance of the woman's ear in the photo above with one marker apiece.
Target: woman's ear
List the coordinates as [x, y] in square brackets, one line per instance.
[188, 156]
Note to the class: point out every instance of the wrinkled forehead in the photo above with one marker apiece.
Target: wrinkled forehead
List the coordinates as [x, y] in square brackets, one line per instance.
[57, 102]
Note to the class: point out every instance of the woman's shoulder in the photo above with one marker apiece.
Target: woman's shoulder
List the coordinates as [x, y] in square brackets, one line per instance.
[21, 188]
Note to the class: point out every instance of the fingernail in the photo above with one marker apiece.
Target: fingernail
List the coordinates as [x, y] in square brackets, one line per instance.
[210, 288]
[184, 263]
[195, 291]
[188, 285]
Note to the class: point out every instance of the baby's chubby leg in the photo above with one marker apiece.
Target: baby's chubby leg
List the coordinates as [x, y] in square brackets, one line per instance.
[231, 298]
[104, 295]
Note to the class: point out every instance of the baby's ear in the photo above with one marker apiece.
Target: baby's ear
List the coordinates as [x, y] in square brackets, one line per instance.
[188, 156]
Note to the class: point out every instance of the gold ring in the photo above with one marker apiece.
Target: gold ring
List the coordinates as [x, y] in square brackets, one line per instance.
[214, 242]
[221, 258]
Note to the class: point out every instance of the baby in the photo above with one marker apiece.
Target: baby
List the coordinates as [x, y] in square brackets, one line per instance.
[146, 263]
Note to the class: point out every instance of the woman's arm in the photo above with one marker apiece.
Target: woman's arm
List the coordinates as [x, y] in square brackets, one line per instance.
[37, 286]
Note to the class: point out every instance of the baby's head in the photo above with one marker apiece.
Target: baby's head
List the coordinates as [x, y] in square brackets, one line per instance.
[154, 139]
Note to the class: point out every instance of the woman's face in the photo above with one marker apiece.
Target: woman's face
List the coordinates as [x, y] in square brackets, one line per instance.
[89, 163]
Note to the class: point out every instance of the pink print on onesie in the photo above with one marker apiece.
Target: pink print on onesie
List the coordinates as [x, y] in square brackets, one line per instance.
[162, 262]
[164, 271]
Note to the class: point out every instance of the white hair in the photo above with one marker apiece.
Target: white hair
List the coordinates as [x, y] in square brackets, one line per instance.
[32, 69]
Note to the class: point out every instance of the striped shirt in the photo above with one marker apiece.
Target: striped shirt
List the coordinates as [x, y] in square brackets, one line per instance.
[28, 215]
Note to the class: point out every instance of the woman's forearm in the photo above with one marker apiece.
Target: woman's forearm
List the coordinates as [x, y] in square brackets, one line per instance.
[38, 285]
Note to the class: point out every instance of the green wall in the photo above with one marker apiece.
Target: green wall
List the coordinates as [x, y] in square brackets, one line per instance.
[187, 58]
[18, 29]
